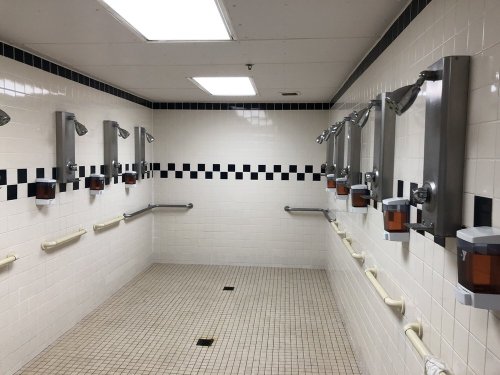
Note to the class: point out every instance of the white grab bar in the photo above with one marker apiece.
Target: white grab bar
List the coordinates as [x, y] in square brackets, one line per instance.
[414, 333]
[109, 223]
[348, 244]
[371, 273]
[47, 245]
[335, 227]
[8, 260]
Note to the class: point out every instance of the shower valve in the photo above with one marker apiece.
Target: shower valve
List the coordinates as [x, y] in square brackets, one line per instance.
[72, 166]
[371, 176]
[422, 194]
[116, 165]
[344, 171]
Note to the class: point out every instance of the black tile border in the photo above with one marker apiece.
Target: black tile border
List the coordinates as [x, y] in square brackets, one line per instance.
[243, 106]
[405, 18]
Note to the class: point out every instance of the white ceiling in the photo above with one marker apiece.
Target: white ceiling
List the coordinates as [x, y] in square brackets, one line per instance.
[309, 46]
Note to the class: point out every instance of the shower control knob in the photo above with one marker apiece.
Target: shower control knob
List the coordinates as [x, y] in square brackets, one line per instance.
[420, 195]
[371, 176]
[116, 165]
[344, 171]
[72, 166]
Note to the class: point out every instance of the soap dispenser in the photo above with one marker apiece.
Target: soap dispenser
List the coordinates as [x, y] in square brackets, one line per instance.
[396, 217]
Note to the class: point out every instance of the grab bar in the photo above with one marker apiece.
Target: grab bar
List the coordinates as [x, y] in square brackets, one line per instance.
[151, 206]
[47, 245]
[371, 273]
[348, 244]
[414, 333]
[106, 224]
[335, 227]
[9, 259]
[305, 209]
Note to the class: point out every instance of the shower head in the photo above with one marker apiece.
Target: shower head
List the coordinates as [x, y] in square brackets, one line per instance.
[121, 132]
[322, 137]
[150, 138]
[402, 99]
[361, 117]
[80, 128]
[4, 118]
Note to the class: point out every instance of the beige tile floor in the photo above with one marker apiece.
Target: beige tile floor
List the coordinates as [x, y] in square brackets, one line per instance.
[276, 321]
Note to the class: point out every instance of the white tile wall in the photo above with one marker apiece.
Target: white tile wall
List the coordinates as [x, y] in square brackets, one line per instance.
[240, 221]
[423, 272]
[43, 294]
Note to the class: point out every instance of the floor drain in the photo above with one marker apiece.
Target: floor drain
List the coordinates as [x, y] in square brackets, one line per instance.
[228, 288]
[205, 342]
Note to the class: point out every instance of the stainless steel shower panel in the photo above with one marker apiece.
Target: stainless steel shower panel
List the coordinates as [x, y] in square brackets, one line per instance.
[338, 152]
[65, 147]
[353, 163]
[382, 176]
[140, 151]
[330, 147]
[445, 127]
[111, 164]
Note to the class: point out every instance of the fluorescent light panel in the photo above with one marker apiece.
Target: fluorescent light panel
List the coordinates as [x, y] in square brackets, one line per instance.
[226, 86]
[173, 19]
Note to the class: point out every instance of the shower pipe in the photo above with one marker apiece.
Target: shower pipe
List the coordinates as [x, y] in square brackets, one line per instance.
[47, 245]
[109, 223]
[8, 260]
[414, 333]
[348, 244]
[151, 206]
[305, 209]
[371, 273]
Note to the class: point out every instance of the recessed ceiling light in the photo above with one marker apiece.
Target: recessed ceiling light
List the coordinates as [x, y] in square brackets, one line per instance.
[173, 19]
[226, 86]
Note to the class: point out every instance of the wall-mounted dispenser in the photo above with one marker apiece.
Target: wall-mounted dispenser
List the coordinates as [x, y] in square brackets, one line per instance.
[45, 191]
[111, 132]
[352, 166]
[359, 202]
[382, 175]
[478, 258]
[396, 217]
[338, 149]
[66, 126]
[141, 136]
[445, 123]
[342, 190]
[97, 182]
[130, 179]
[331, 182]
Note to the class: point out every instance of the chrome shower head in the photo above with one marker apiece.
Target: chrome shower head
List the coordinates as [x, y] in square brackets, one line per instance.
[319, 139]
[80, 128]
[4, 118]
[361, 117]
[149, 138]
[121, 132]
[322, 137]
[402, 99]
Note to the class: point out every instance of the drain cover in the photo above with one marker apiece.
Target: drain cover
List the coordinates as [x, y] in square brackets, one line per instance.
[228, 288]
[205, 342]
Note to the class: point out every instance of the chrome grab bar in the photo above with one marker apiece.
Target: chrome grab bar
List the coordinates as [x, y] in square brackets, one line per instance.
[151, 206]
[306, 209]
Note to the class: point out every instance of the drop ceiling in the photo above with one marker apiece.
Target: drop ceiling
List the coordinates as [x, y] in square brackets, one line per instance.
[295, 45]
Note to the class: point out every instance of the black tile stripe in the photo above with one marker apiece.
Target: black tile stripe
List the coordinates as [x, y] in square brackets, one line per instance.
[404, 19]
[243, 106]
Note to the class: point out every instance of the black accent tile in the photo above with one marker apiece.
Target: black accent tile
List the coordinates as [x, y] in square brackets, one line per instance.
[201, 167]
[323, 168]
[31, 189]
[28, 58]
[375, 204]
[205, 342]
[216, 167]
[76, 185]
[156, 166]
[178, 174]
[231, 168]
[81, 171]
[301, 176]
[62, 188]
[54, 173]
[193, 175]
[419, 215]
[262, 168]
[107, 180]
[413, 186]
[87, 182]
[11, 192]
[400, 188]
[186, 167]
[254, 176]
[269, 176]
[171, 166]
[441, 241]
[163, 174]
[223, 175]
[115, 179]
[483, 208]
[22, 176]
[92, 169]
[102, 169]
[309, 169]
[40, 172]
[246, 168]
[8, 51]
[292, 169]
[285, 177]
[277, 168]
[209, 175]
[228, 288]
[18, 54]
[316, 176]
[239, 175]
[3, 177]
